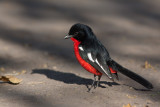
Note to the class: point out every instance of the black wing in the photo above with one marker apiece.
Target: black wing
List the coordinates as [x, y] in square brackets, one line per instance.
[97, 56]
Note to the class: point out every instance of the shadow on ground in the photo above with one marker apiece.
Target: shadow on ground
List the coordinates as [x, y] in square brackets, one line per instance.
[69, 78]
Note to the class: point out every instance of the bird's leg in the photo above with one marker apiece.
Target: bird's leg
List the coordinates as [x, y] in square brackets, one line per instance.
[92, 83]
[99, 77]
[116, 76]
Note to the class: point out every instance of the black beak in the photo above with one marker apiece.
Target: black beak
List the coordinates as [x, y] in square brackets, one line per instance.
[67, 36]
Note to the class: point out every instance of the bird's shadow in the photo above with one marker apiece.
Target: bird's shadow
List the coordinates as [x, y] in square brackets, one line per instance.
[69, 78]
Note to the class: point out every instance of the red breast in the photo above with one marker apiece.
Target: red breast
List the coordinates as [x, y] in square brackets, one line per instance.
[83, 63]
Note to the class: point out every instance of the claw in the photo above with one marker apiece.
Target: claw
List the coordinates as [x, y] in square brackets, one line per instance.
[93, 84]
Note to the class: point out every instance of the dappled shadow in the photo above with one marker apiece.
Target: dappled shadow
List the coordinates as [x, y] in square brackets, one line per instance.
[139, 8]
[46, 10]
[140, 12]
[69, 78]
[54, 15]
[38, 9]
[36, 41]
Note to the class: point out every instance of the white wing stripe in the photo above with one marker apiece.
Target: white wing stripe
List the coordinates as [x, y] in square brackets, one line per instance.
[99, 65]
[90, 57]
[102, 68]
[97, 62]
[81, 48]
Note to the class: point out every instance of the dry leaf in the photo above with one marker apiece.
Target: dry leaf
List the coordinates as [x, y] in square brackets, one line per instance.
[10, 79]
[4, 79]
[128, 105]
[149, 66]
[15, 80]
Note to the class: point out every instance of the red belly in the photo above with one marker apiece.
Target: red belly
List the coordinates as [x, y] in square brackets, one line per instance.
[83, 63]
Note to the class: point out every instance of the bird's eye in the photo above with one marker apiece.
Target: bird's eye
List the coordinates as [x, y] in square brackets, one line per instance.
[76, 33]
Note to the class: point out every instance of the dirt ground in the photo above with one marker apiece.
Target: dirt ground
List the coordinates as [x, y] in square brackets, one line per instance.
[32, 40]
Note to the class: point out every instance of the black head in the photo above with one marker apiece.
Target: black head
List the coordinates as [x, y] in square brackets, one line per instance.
[80, 32]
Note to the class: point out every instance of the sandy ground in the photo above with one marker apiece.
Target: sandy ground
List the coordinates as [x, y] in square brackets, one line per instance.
[31, 40]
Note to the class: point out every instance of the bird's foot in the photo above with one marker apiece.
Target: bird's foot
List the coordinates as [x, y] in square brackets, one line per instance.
[94, 85]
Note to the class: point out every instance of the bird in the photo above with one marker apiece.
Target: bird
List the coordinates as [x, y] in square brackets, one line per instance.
[94, 57]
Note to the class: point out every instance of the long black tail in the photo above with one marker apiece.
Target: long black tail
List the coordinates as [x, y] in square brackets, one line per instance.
[130, 74]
